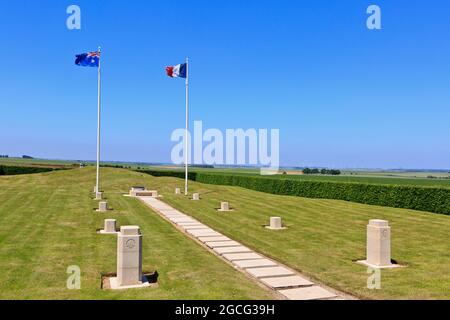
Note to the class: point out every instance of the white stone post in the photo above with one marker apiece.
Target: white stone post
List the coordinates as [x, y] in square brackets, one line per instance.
[196, 196]
[275, 223]
[177, 191]
[224, 206]
[98, 195]
[110, 226]
[379, 243]
[129, 256]
[103, 206]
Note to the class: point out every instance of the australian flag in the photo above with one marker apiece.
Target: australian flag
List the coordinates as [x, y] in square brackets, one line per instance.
[90, 59]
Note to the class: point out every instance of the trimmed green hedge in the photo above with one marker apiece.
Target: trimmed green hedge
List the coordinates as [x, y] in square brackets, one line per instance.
[16, 170]
[432, 199]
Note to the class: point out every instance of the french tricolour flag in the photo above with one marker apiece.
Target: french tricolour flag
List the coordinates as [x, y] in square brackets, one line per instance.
[178, 71]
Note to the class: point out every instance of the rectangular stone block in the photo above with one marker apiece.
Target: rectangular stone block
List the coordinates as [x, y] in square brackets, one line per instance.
[103, 206]
[143, 193]
[307, 293]
[286, 282]
[198, 227]
[203, 233]
[220, 244]
[269, 272]
[110, 225]
[254, 263]
[378, 243]
[237, 249]
[217, 238]
[241, 256]
[129, 256]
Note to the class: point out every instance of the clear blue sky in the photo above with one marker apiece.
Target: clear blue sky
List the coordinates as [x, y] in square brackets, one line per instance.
[341, 95]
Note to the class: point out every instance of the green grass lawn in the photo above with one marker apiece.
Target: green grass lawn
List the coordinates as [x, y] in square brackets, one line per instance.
[325, 237]
[47, 223]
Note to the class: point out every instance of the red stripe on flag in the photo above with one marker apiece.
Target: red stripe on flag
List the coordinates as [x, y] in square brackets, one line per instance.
[169, 71]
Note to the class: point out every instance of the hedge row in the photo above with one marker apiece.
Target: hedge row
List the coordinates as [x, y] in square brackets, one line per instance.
[15, 170]
[432, 199]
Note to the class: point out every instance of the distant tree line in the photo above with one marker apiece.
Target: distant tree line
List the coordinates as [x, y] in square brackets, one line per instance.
[4, 156]
[332, 172]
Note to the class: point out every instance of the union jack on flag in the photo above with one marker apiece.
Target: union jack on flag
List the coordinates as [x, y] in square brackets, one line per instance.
[90, 59]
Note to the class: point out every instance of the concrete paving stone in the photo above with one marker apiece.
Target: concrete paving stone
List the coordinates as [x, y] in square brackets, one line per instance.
[190, 224]
[269, 272]
[255, 263]
[237, 249]
[219, 238]
[175, 215]
[171, 211]
[200, 227]
[203, 233]
[177, 220]
[307, 293]
[219, 244]
[241, 256]
[287, 282]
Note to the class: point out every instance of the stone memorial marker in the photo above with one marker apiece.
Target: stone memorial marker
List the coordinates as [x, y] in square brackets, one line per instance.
[224, 207]
[103, 206]
[275, 224]
[129, 259]
[98, 195]
[378, 245]
[196, 196]
[110, 227]
[177, 191]
[142, 192]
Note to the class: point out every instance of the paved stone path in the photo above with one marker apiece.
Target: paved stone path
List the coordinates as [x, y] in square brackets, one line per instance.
[287, 282]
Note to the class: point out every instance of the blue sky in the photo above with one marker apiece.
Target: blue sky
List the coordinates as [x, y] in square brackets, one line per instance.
[341, 95]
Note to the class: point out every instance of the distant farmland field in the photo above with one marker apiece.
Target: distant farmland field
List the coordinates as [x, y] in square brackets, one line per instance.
[362, 177]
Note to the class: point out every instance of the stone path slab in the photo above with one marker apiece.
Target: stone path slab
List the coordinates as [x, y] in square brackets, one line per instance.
[203, 233]
[241, 256]
[199, 227]
[256, 263]
[190, 224]
[219, 244]
[287, 282]
[219, 238]
[270, 273]
[238, 249]
[308, 293]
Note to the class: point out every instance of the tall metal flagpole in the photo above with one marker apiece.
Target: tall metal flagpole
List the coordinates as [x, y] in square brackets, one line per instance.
[97, 185]
[186, 144]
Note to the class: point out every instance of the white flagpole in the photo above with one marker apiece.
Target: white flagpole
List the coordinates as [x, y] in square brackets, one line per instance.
[186, 144]
[98, 123]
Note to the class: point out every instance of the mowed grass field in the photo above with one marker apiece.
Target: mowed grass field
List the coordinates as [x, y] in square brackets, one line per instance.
[47, 223]
[325, 237]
